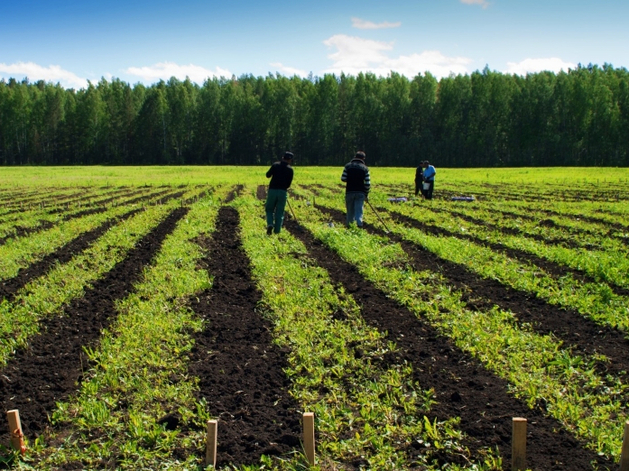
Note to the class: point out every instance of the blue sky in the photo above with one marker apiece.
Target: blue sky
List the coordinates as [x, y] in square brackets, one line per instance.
[71, 42]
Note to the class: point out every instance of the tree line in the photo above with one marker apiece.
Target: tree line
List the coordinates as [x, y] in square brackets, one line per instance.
[482, 119]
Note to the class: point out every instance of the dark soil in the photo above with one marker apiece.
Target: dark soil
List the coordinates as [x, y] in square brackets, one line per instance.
[261, 192]
[8, 288]
[611, 227]
[552, 268]
[463, 387]
[50, 368]
[44, 225]
[570, 243]
[577, 332]
[241, 371]
[100, 208]
[568, 325]
[64, 254]
[233, 193]
[21, 231]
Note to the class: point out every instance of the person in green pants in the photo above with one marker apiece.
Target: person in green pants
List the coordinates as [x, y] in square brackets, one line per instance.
[281, 175]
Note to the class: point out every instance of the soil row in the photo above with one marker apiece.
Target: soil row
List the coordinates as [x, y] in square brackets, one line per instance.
[48, 370]
[464, 387]
[550, 223]
[240, 369]
[552, 268]
[45, 225]
[570, 243]
[8, 288]
[49, 200]
[557, 195]
[568, 325]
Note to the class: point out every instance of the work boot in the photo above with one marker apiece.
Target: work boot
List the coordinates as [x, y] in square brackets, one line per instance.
[269, 230]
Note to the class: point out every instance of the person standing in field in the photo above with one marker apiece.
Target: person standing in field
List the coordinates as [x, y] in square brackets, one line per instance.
[429, 179]
[356, 176]
[281, 175]
[419, 178]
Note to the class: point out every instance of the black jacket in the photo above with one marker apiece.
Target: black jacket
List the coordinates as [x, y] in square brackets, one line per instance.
[356, 175]
[281, 175]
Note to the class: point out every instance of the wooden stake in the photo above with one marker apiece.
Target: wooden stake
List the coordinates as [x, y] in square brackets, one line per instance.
[309, 437]
[210, 446]
[624, 454]
[518, 444]
[15, 429]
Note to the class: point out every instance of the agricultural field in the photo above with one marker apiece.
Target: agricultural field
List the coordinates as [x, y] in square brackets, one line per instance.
[139, 303]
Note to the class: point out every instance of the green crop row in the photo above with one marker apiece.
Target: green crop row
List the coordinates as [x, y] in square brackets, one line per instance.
[553, 229]
[33, 219]
[21, 252]
[51, 199]
[381, 413]
[139, 371]
[47, 295]
[538, 368]
[610, 265]
[594, 300]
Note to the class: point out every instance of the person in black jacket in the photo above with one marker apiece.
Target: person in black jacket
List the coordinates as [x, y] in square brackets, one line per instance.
[356, 176]
[281, 175]
[419, 179]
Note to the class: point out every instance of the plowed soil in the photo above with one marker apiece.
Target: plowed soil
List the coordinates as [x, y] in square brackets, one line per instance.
[550, 267]
[64, 254]
[49, 370]
[464, 388]
[240, 370]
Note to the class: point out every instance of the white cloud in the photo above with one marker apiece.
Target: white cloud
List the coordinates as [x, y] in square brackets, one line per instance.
[362, 24]
[432, 61]
[483, 3]
[288, 71]
[356, 55]
[166, 70]
[35, 72]
[552, 64]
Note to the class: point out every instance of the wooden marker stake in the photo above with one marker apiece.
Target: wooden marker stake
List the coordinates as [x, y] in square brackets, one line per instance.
[518, 444]
[15, 429]
[210, 446]
[624, 454]
[309, 437]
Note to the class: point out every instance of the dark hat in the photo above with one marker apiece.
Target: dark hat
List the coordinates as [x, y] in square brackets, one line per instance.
[288, 155]
[360, 155]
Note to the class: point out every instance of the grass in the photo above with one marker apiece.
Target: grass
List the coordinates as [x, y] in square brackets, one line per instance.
[365, 411]
[538, 367]
[139, 370]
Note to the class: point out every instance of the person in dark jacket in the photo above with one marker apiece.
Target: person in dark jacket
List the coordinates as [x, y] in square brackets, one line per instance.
[356, 176]
[281, 175]
[419, 178]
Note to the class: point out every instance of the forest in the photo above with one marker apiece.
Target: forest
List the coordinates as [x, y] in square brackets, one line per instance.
[483, 119]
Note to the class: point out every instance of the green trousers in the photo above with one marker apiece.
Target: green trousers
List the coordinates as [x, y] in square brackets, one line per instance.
[275, 205]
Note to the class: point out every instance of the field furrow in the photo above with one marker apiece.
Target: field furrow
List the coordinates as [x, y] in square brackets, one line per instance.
[240, 369]
[8, 288]
[19, 254]
[135, 408]
[582, 335]
[45, 297]
[463, 386]
[585, 266]
[35, 379]
[369, 411]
